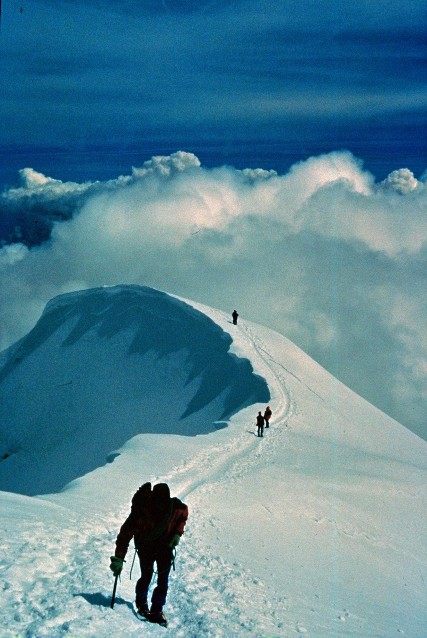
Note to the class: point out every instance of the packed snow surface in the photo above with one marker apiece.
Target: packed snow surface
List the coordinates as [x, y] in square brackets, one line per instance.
[317, 529]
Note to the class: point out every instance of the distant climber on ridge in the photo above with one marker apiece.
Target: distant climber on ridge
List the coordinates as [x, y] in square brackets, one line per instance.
[235, 314]
[267, 416]
[260, 424]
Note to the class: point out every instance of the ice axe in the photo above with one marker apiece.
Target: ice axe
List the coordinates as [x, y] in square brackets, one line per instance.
[113, 597]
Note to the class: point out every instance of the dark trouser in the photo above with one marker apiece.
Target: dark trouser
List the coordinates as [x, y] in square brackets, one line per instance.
[148, 555]
[260, 430]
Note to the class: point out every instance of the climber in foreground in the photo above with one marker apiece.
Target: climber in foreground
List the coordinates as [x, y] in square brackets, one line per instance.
[156, 523]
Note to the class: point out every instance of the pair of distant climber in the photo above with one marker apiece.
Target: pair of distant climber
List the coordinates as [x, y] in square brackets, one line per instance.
[263, 420]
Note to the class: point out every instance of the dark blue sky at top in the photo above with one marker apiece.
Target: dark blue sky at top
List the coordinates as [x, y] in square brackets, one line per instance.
[88, 89]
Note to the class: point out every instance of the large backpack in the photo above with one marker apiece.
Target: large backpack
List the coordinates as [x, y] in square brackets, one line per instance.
[140, 499]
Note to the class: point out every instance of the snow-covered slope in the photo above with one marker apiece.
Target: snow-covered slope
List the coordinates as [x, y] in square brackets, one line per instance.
[103, 365]
[315, 530]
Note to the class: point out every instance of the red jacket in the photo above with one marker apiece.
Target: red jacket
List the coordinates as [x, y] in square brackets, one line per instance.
[142, 525]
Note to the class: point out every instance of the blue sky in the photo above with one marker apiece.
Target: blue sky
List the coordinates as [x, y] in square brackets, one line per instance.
[325, 243]
[242, 82]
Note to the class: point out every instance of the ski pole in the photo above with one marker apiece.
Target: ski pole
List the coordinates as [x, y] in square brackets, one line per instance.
[113, 597]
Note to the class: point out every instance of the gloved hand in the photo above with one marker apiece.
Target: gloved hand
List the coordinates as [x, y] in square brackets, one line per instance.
[174, 540]
[116, 565]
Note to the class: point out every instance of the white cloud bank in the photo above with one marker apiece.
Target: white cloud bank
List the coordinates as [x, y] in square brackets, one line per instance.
[323, 254]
